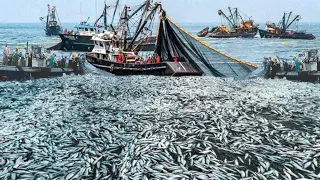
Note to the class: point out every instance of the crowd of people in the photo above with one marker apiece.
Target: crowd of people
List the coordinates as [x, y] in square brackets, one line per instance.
[136, 59]
[64, 62]
[275, 65]
[24, 58]
[17, 58]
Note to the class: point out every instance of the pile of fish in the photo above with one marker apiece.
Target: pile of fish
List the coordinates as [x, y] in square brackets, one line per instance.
[94, 127]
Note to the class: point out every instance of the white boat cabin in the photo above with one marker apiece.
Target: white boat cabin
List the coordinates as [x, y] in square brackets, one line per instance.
[86, 30]
[108, 47]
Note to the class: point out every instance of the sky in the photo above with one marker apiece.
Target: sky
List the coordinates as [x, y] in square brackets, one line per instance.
[183, 11]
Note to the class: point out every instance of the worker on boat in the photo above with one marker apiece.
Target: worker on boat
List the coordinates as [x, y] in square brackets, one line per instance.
[22, 60]
[5, 55]
[297, 64]
[65, 31]
[158, 59]
[26, 55]
[119, 58]
[52, 59]
[175, 59]
[15, 57]
[265, 63]
[148, 60]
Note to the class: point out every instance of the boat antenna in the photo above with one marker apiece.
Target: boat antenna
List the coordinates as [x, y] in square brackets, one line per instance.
[105, 15]
[114, 12]
[47, 24]
[125, 26]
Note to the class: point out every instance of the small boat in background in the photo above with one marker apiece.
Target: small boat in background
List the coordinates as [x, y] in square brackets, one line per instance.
[238, 27]
[80, 40]
[203, 32]
[282, 30]
[52, 27]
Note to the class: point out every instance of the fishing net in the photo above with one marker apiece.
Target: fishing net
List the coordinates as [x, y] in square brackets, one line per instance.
[174, 41]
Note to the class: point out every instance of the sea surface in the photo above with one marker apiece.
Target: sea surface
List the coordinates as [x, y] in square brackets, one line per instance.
[144, 127]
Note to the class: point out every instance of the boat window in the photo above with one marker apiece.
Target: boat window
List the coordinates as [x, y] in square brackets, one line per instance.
[96, 43]
[86, 29]
[101, 44]
[91, 29]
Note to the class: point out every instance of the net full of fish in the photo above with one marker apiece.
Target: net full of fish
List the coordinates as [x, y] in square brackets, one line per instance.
[94, 127]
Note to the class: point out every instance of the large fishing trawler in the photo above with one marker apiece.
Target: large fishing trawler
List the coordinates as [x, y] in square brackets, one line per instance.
[283, 29]
[171, 56]
[238, 26]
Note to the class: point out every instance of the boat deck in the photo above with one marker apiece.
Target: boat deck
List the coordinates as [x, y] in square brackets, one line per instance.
[305, 76]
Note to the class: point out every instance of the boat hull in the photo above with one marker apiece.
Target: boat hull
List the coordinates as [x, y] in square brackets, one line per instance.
[76, 43]
[234, 35]
[203, 32]
[266, 34]
[8, 73]
[85, 44]
[157, 69]
[295, 76]
[53, 30]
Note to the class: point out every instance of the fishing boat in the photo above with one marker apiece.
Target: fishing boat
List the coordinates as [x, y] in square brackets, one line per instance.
[305, 67]
[51, 21]
[172, 56]
[283, 31]
[38, 68]
[238, 27]
[81, 39]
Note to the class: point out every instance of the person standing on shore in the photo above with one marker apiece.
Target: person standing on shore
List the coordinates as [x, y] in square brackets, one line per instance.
[5, 55]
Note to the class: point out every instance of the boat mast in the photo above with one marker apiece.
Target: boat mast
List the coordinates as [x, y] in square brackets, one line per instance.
[137, 10]
[47, 24]
[147, 4]
[288, 19]
[125, 26]
[105, 15]
[238, 14]
[140, 29]
[114, 12]
[231, 14]
[297, 18]
[220, 12]
[284, 23]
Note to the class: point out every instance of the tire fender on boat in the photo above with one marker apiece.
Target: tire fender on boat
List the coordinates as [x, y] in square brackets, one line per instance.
[111, 67]
[68, 44]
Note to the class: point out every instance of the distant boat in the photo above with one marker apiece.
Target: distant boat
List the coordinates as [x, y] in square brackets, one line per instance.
[238, 27]
[81, 39]
[52, 27]
[282, 30]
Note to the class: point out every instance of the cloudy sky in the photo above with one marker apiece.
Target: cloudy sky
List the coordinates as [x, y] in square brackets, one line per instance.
[178, 10]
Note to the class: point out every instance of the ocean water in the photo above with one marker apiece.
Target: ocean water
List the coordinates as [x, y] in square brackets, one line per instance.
[251, 50]
[144, 127]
